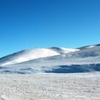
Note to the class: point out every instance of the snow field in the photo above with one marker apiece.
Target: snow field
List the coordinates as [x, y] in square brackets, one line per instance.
[82, 86]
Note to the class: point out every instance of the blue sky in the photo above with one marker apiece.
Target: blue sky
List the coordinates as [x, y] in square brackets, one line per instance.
[28, 24]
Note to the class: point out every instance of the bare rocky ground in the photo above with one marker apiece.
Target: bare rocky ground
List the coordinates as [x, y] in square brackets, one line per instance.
[76, 86]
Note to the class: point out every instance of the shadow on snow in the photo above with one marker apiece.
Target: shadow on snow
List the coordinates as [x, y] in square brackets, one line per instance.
[75, 68]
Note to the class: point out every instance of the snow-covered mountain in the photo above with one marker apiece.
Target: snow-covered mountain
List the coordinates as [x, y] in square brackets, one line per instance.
[52, 60]
[26, 55]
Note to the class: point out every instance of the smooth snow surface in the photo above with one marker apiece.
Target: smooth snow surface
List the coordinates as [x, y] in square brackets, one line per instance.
[84, 86]
[27, 55]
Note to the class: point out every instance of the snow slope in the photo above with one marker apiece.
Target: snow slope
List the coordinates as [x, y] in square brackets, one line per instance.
[36, 53]
[84, 59]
